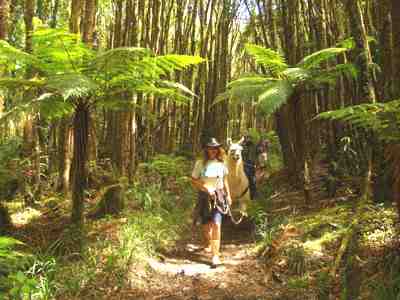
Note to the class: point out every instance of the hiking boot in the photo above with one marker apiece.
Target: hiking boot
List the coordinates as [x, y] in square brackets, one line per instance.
[216, 261]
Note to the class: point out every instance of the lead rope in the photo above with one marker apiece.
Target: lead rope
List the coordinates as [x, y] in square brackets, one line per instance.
[226, 210]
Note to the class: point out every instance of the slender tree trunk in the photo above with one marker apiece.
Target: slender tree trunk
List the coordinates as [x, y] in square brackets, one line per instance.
[4, 14]
[396, 47]
[79, 184]
[364, 60]
[54, 14]
[65, 142]
[76, 10]
[366, 94]
[89, 21]
[385, 38]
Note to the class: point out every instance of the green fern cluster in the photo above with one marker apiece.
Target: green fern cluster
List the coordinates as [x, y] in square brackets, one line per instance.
[382, 118]
[10, 259]
[279, 83]
[64, 71]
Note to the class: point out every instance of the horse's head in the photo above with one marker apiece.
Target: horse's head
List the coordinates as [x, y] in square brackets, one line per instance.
[234, 150]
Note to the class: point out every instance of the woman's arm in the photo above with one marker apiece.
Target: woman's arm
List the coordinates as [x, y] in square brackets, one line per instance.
[198, 184]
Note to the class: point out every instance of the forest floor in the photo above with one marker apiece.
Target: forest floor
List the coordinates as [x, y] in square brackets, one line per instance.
[291, 257]
[295, 264]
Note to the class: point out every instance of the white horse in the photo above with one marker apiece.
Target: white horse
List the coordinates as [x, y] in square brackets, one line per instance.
[237, 179]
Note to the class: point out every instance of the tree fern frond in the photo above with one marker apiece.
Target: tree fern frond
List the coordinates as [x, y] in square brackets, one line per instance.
[174, 62]
[350, 44]
[17, 83]
[275, 96]
[245, 89]
[297, 74]
[9, 53]
[178, 87]
[27, 107]
[246, 92]
[315, 59]
[331, 75]
[383, 118]
[72, 85]
[60, 51]
[250, 80]
[268, 58]
[55, 107]
[127, 82]
[163, 92]
[119, 57]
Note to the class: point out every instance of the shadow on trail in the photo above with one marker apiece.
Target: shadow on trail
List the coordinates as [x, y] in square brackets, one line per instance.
[185, 272]
[188, 256]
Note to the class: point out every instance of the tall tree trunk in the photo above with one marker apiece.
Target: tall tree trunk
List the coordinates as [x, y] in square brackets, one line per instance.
[76, 10]
[396, 47]
[89, 21]
[79, 184]
[366, 94]
[65, 142]
[364, 59]
[4, 12]
[385, 38]
[54, 14]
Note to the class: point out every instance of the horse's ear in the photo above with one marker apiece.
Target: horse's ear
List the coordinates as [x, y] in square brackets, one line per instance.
[241, 140]
[228, 142]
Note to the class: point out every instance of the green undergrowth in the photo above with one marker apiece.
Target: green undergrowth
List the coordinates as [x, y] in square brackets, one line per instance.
[305, 261]
[112, 249]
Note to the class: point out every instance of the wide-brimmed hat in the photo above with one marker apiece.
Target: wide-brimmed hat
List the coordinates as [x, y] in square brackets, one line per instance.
[212, 143]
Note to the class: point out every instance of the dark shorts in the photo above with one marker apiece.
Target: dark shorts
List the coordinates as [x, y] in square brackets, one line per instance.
[206, 215]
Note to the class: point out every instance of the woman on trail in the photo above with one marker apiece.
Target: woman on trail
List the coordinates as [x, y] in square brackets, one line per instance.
[209, 177]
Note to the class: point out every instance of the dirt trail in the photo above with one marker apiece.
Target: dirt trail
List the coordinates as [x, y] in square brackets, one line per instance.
[186, 273]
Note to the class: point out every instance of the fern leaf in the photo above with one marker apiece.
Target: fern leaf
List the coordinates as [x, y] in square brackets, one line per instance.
[315, 59]
[173, 62]
[178, 87]
[59, 51]
[297, 74]
[53, 108]
[383, 118]
[9, 53]
[119, 58]
[350, 44]
[275, 96]
[250, 80]
[16, 83]
[268, 58]
[27, 107]
[8, 242]
[71, 86]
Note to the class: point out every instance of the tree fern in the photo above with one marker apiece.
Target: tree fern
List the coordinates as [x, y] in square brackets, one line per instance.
[246, 89]
[10, 54]
[315, 59]
[271, 92]
[268, 58]
[382, 118]
[274, 96]
[72, 86]
[330, 76]
[16, 83]
[66, 68]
